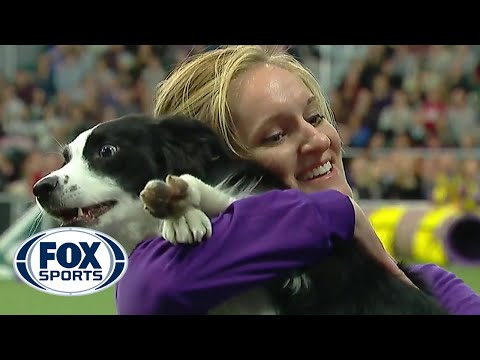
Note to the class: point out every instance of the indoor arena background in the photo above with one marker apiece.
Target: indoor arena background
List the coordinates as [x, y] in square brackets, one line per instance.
[409, 116]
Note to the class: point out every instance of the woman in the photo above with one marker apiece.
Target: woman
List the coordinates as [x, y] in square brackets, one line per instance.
[267, 107]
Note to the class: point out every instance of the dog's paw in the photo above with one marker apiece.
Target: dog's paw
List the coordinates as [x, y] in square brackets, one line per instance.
[176, 201]
[190, 227]
[163, 199]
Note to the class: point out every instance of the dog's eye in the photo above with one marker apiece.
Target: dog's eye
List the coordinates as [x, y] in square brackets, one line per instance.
[107, 151]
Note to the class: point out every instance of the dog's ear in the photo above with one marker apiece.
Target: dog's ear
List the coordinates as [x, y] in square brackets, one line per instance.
[185, 145]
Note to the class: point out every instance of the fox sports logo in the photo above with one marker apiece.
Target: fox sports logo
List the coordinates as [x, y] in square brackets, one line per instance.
[70, 261]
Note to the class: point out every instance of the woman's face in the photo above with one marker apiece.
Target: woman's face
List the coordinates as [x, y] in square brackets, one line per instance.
[280, 120]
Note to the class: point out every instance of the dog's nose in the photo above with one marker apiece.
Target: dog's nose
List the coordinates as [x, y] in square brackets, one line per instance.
[45, 186]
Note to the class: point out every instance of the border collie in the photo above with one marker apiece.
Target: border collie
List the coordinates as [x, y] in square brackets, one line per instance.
[113, 181]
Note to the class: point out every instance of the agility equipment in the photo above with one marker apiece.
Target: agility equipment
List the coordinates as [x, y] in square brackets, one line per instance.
[423, 232]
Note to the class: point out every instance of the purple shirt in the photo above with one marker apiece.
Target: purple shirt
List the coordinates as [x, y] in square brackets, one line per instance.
[450, 291]
[253, 241]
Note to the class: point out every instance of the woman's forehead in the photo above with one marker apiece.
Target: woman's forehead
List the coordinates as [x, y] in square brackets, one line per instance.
[267, 85]
[265, 94]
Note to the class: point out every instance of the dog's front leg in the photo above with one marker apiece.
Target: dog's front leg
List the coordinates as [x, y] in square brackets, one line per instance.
[183, 203]
[210, 200]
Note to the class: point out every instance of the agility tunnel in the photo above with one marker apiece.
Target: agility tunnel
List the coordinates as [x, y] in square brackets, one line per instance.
[426, 233]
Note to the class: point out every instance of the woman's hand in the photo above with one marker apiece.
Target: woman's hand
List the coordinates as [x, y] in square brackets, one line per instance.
[369, 240]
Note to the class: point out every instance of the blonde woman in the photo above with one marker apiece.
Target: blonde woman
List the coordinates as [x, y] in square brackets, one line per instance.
[269, 108]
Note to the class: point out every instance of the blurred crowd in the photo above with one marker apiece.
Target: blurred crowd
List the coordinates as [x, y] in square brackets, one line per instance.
[386, 98]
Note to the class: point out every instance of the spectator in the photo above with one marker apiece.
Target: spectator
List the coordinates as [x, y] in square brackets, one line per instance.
[385, 98]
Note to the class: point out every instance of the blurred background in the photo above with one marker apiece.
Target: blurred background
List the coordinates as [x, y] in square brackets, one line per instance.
[409, 116]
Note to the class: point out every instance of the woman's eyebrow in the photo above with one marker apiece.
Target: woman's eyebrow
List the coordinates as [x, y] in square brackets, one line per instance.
[311, 100]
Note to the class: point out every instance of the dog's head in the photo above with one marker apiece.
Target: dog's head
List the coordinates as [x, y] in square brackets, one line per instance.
[107, 166]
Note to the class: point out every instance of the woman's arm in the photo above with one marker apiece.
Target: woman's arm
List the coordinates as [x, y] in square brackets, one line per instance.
[254, 240]
[452, 293]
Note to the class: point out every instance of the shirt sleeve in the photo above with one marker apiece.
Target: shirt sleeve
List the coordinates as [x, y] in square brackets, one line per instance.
[450, 291]
[254, 240]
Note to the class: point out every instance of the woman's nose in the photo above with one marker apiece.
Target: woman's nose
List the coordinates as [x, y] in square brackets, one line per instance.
[314, 140]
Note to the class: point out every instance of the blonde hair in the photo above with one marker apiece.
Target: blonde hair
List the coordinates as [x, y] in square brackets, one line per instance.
[199, 87]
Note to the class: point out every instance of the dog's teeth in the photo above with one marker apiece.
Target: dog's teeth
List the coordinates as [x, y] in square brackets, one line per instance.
[80, 212]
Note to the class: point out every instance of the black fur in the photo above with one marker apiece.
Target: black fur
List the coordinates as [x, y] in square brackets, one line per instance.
[347, 282]
[344, 282]
[151, 149]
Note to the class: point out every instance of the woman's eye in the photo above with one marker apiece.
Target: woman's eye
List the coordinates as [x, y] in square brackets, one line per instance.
[275, 138]
[107, 151]
[316, 119]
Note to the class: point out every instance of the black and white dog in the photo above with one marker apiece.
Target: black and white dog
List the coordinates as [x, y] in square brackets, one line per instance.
[114, 172]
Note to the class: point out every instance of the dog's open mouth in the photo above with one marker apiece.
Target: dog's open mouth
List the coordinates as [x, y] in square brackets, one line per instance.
[85, 215]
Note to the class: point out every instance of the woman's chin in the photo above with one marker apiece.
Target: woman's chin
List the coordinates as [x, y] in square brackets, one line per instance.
[333, 184]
